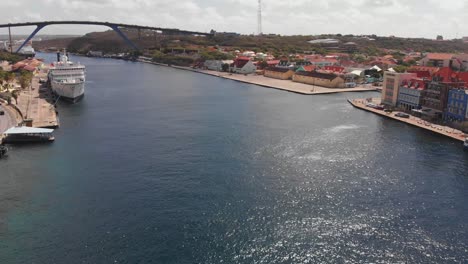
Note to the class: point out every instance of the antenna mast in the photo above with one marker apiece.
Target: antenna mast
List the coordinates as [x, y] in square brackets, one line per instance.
[259, 17]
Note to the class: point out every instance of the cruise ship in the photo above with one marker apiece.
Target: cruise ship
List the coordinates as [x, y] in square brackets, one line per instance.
[67, 79]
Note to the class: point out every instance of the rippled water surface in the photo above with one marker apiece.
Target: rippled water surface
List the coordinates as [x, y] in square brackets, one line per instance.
[158, 165]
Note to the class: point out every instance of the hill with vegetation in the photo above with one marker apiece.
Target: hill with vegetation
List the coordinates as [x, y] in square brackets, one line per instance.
[110, 42]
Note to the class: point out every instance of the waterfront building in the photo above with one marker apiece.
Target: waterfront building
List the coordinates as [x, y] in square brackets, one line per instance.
[328, 80]
[243, 65]
[322, 62]
[217, 65]
[435, 98]
[92, 53]
[457, 108]
[391, 86]
[272, 63]
[307, 68]
[409, 94]
[284, 64]
[279, 73]
[437, 60]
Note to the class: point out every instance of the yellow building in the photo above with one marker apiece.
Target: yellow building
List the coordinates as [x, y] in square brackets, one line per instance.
[328, 80]
[279, 73]
[391, 86]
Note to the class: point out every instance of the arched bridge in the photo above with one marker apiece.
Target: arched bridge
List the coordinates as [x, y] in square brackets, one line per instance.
[115, 26]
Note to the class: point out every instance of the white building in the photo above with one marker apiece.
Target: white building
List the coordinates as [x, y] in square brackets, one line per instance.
[217, 65]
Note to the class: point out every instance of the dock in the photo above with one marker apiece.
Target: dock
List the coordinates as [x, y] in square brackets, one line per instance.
[285, 85]
[412, 120]
[37, 103]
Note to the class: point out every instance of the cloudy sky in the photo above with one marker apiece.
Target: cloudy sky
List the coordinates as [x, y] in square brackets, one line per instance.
[406, 18]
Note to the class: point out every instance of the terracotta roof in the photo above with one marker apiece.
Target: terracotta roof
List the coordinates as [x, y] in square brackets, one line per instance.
[431, 70]
[336, 69]
[273, 62]
[440, 56]
[415, 83]
[308, 67]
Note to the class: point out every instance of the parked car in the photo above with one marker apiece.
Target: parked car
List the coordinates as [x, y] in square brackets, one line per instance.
[379, 107]
[388, 110]
[402, 115]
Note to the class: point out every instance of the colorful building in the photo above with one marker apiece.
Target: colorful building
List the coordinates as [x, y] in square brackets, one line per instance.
[438, 60]
[409, 94]
[391, 86]
[435, 98]
[279, 73]
[243, 65]
[457, 108]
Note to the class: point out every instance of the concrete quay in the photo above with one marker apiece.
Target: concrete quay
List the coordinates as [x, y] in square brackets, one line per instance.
[412, 120]
[285, 85]
[37, 104]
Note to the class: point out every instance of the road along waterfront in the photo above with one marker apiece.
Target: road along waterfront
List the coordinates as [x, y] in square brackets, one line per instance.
[285, 85]
[167, 166]
[415, 121]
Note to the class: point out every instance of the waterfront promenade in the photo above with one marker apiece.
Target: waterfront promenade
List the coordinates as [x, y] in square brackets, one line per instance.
[286, 85]
[260, 80]
[412, 120]
[37, 102]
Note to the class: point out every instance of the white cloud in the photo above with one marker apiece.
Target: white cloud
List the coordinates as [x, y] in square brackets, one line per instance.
[412, 18]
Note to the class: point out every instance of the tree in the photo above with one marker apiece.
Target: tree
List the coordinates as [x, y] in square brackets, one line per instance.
[9, 77]
[25, 79]
[14, 94]
[400, 68]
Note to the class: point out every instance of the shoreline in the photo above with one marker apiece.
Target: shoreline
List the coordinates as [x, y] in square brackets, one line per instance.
[414, 121]
[260, 80]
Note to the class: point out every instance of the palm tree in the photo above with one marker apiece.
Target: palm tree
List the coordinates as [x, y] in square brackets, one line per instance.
[9, 77]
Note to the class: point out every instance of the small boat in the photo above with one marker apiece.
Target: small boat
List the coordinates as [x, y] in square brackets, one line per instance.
[465, 144]
[3, 151]
[24, 134]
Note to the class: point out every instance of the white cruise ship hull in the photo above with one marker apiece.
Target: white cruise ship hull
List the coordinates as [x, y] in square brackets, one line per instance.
[69, 91]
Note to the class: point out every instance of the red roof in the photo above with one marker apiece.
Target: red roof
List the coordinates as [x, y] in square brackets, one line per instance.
[415, 83]
[240, 62]
[309, 68]
[29, 68]
[446, 74]
[440, 56]
[421, 74]
[463, 76]
[273, 62]
[243, 58]
[335, 69]
[431, 70]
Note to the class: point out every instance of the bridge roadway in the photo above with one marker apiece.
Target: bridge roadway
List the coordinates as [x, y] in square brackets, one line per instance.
[115, 26]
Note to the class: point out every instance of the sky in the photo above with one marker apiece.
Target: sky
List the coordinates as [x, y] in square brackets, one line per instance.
[403, 18]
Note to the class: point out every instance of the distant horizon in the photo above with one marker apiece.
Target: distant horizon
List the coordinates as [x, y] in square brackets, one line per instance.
[265, 34]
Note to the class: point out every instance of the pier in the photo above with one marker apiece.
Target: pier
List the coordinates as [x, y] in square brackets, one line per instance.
[260, 80]
[37, 103]
[412, 120]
